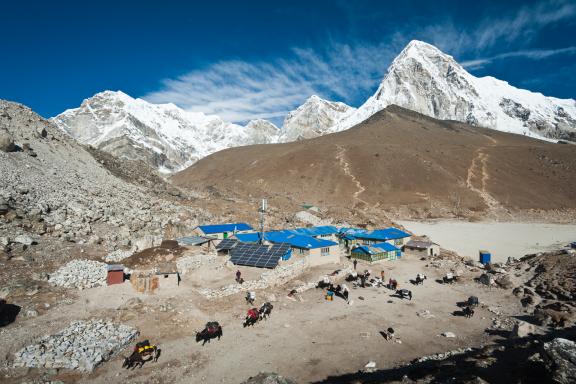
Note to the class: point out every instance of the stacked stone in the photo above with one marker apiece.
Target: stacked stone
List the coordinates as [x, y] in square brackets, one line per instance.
[83, 345]
[118, 255]
[80, 274]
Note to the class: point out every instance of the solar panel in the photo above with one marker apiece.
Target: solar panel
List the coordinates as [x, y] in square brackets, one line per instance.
[226, 244]
[255, 255]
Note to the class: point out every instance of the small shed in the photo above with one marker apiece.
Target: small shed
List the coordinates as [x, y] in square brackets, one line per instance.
[169, 279]
[484, 257]
[422, 247]
[115, 274]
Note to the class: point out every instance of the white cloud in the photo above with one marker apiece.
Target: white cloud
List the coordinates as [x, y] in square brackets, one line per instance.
[534, 54]
[239, 91]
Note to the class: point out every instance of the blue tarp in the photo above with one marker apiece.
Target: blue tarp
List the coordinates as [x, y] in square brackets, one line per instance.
[315, 231]
[221, 228]
[378, 234]
[286, 236]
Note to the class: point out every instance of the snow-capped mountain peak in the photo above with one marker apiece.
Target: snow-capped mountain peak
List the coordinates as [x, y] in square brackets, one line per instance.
[314, 118]
[162, 135]
[424, 79]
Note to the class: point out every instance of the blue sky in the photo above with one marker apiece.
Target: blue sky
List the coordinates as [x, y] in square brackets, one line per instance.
[249, 59]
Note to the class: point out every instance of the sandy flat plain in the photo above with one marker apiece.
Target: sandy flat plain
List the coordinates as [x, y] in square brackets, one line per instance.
[503, 239]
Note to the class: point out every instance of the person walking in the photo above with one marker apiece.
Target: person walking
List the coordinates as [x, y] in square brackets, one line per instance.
[355, 262]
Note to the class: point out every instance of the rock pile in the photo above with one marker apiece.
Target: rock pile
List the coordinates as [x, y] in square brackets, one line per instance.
[57, 188]
[444, 355]
[560, 357]
[118, 255]
[83, 345]
[80, 274]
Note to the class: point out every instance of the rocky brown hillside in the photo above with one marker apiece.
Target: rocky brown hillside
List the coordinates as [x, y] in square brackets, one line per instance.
[402, 161]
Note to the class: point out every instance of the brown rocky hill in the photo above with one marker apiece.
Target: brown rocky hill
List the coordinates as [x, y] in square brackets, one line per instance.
[401, 161]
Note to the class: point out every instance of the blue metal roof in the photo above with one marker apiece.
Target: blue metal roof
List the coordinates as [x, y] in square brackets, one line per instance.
[221, 228]
[298, 241]
[287, 236]
[376, 248]
[315, 231]
[385, 246]
[377, 234]
[248, 237]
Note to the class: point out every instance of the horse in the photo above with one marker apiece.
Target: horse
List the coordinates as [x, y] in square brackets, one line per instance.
[252, 317]
[210, 331]
[468, 312]
[420, 279]
[404, 293]
[140, 355]
[265, 311]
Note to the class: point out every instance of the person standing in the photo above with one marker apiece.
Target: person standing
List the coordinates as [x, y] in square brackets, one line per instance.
[238, 275]
[355, 262]
[382, 274]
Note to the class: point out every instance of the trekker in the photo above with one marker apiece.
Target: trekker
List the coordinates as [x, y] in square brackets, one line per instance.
[238, 275]
[355, 262]
[382, 275]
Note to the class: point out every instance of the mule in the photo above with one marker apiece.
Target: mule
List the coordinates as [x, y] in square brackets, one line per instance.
[137, 359]
[211, 331]
[404, 294]
[265, 311]
[252, 317]
[468, 312]
[420, 279]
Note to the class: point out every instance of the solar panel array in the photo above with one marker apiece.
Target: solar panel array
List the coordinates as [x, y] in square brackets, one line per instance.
[226, 244]
[257, 255]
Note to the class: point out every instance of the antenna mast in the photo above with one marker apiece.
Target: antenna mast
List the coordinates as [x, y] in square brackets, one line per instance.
[262, 212]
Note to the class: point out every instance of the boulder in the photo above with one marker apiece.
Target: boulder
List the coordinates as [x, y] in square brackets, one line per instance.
[6, 141]
[4, 206]
[560, 358]
[23, 239]
[486, 279]
[505, 282]
[522, 329]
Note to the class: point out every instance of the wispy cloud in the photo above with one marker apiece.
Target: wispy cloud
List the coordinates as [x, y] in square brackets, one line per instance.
[239, 91]
[534, 54]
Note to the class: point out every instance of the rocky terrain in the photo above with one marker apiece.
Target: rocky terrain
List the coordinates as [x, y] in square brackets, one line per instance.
[53, 187]
[403, 163]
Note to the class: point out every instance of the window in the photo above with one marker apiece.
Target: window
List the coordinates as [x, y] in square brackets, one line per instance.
[325, 251]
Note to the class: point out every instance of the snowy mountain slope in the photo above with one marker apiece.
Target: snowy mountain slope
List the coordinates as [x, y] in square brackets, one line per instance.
[162, 135]
[426, 80]
[314, 118]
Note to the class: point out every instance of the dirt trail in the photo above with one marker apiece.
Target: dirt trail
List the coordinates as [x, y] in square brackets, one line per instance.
[479, 169]
[340, 156]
